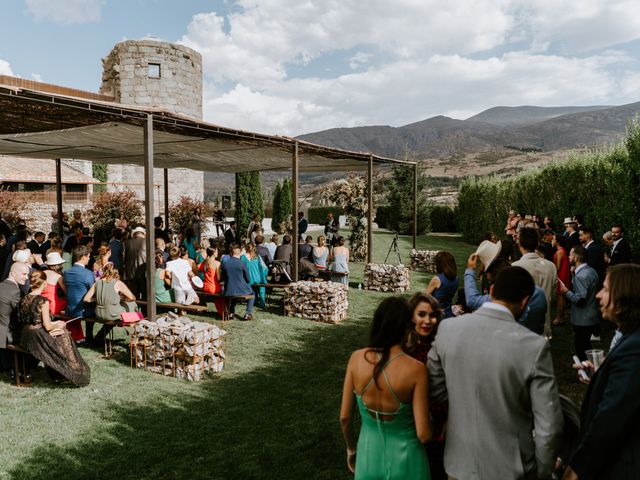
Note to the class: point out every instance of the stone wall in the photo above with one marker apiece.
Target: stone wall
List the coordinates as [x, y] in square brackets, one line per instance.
[38, 214]
[178, 89]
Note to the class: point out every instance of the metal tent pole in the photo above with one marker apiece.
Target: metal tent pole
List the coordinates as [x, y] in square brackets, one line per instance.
[294, 203]
[415, 203]
[59, 196]
[148, 207]
[370, 210]
[166, 198]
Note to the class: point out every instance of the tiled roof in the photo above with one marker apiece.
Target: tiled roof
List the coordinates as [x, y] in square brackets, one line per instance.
[35, 170]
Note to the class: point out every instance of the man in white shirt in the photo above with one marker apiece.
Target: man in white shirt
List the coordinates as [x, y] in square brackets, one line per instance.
[544, 272]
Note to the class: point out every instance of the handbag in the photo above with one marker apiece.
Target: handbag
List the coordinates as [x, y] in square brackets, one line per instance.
[129, 318]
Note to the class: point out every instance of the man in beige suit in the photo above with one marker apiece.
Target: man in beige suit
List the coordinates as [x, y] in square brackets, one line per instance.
[505, 419]
[543, 271]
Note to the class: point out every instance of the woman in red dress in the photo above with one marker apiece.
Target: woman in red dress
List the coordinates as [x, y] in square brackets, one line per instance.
[212, 283]
[561, 261]
[55, 290]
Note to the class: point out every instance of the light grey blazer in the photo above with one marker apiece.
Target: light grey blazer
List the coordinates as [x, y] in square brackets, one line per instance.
[585, 309]
[505, 419]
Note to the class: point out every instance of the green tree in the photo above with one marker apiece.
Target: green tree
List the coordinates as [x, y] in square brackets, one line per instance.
[99, 172]
[285, 206]
[248, 198]
[400, 201]
[275, 207]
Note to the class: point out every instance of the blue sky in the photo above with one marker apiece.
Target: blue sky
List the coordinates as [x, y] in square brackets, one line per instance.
[293, 66]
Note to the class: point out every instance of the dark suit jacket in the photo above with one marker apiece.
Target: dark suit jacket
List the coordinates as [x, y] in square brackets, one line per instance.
[236, 277]
[609, 445]
[35, 248]
[283, 252]
[573, 239]
[230, 237]
[595, 259]
[304, 251]
[135, 258]
[9, 299]
[264, 253]
[621, 253]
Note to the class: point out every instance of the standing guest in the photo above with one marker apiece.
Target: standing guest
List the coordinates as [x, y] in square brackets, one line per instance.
[390, 390]
[196, 224]
[56, 246]
[257, 273]
[512, 224]
[163, 293]
[135, 262]
[49, 341]
[180, 271]
[10, 295]
[427, 314]
[159, 231]
[76, 221]
[115, 245]
[582, 296]
[218, 219]
[236, 281]
[595, 254]
[257, 230]
[35, 245]
[272, 245]
[55, 290]
[498, 378]
[4, 251]
[112, 297]
[121, 222]
[320, 253]
[579, 218]
[5, 229]
[563, 268]
[78, 279]
[571, 233]
[331, 228]
[607, 241]
[303, 225]
[340, 262]
[548, 224]
[543, 271]
[305, 249]
[190, 243]
[546, 245]
[620, 250]
[231, 235]
[212, 276]
[609, 443]
[444, 285]
[44, 249]
[263, 251]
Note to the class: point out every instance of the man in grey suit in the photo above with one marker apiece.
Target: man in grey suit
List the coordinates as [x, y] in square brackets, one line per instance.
[505, 419]
[9, 299]
[585, 310]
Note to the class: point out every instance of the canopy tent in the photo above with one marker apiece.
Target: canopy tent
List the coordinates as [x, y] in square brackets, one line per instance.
[40, 124]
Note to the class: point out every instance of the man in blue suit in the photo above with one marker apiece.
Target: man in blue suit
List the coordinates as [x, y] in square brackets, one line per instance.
[584, 306]
[236, 280]
[78, 279]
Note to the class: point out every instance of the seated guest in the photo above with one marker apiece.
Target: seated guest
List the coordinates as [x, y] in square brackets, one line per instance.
[102, 259]
[67, 252]
[180, 272]
[444, 285]
[78, 279]
[236, 280]
[163, 293]
[305, 249]
[272, 245]
[55, 289]
[112, 297]
[162, 246]
[212, 277]
[283, 255]
[320, 253]
[257, 272]
[340, 262]
[56, 246]
[115, 245]
[49, 341]
[44, 248]
[190, 242]
[262, 250]
[9, 298]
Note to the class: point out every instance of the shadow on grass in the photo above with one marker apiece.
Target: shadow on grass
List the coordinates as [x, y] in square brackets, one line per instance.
[278, 421]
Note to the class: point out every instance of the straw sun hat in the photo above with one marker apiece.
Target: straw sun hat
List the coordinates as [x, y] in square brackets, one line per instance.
[54, 258]
[487, 252]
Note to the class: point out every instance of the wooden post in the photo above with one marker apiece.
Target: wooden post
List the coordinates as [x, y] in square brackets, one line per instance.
[294, 203]
[166, 198]
[59, 197]
[370, 210]
[415, 203]
[148, 210]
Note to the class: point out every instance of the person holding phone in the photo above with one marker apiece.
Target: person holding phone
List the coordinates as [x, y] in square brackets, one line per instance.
[609, 445]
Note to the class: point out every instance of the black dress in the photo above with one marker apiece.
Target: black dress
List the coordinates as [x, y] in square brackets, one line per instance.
[58, 353]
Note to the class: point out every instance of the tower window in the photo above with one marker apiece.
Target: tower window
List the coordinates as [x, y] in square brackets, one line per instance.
[154, 70]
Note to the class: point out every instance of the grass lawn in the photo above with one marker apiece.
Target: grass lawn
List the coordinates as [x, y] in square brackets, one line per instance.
[272, 413]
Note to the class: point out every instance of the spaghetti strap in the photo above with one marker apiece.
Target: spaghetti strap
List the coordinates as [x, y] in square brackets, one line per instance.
[386, 379]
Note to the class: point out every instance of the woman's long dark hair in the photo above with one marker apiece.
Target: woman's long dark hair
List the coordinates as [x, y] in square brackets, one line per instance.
[390, 323]
[624, 294]
[413, 339]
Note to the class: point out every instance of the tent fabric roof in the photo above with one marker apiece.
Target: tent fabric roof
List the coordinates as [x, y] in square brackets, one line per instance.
[44, 125]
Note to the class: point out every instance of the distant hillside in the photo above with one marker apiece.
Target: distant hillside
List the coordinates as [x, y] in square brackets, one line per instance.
[526, 115]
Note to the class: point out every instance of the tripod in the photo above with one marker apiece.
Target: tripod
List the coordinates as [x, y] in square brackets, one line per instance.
[394, 248]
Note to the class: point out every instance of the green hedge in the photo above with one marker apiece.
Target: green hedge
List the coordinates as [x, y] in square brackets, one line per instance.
[443, 218]
[318, 215]
[603, 185]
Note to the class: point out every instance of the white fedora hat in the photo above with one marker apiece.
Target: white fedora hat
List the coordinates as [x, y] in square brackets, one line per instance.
[54, 258]
[22, 256]
[488, 251]
[568, 220]
[138, 230]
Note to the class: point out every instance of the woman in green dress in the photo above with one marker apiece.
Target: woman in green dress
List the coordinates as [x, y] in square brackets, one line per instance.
[390, 390]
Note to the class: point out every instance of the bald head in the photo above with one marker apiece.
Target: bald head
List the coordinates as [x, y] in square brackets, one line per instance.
[19, 273]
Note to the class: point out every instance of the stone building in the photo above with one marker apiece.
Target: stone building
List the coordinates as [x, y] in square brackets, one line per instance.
[153, 73]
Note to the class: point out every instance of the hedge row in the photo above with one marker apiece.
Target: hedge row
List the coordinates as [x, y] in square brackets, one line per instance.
[318, 215]
[602, 185]
[442, 218]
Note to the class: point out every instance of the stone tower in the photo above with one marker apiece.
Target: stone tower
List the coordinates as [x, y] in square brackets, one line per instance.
[153, 73]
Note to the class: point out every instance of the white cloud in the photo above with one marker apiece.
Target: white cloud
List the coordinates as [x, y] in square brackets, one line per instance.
[420, 58]
[37, 77]
[5, 68]
[65, 12]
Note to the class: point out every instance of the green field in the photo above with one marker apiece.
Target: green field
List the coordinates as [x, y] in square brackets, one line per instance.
[273, 412]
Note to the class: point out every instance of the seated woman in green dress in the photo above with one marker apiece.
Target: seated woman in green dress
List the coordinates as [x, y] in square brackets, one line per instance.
[390, 389]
